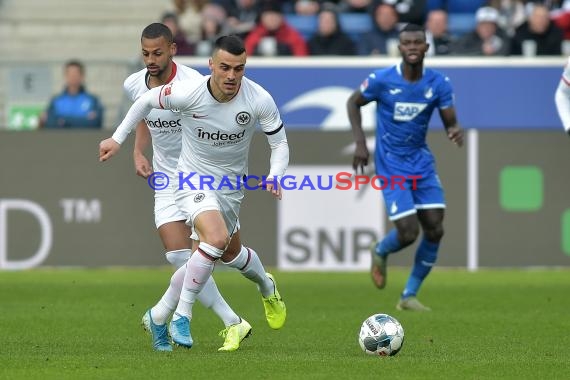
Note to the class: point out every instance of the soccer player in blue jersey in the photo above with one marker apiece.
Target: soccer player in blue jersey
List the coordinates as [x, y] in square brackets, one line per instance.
[406, 95]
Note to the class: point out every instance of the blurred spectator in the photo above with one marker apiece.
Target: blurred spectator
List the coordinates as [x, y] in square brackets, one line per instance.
[213, 25]
[329, 38]
[355, 6]
[312, 7]
[183, 46]
[511, 14]
[561, 18]
[188, 12]
[306, 7]
[538, 28]
[74, 107]
[273, 36]
[409, 11]
[438, 38]
[384, 32]
[242, 15]
[487, 39]
[551, 5]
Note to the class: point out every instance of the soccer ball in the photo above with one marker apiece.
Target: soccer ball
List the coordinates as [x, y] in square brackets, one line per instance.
[381, 335]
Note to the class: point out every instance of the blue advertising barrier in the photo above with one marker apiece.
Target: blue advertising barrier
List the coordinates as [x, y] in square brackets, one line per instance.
[503, 93]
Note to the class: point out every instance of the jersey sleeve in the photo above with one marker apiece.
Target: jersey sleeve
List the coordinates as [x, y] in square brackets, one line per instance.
[177, 96]
[566, 73]
[371, 87]
[446, 98]
[562, 98]
[129, 87]
[138, 111]
[272, 125]
[268, 114]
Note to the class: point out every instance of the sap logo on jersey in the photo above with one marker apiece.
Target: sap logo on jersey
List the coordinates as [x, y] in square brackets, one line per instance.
[163, 123]
[407, 111]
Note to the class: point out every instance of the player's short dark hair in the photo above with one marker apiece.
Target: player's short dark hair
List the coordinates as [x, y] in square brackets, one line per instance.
[157, 30]
[232, 44]
[413, 28]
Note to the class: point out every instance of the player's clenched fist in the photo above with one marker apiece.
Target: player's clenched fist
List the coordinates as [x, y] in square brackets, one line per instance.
[107, 149]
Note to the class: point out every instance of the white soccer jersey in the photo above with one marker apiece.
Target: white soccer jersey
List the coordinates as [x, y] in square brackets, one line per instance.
[562, 98]
[216, 136]
[165, 126]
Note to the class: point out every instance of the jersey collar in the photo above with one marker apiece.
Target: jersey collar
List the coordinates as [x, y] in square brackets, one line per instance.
[399, 69]
[173, 73]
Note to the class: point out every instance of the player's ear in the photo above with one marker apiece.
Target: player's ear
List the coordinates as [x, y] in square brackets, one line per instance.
[211, 64]
[173, 49]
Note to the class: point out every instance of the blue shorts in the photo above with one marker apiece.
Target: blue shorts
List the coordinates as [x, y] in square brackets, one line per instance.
[426, 194]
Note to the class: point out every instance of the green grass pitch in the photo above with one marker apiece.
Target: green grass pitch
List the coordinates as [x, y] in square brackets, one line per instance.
[76, 324]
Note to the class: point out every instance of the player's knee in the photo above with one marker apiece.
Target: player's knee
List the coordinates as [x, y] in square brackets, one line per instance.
[434, 234]
[408, 236]
[178, 257]
[220, 241]
[230, 254]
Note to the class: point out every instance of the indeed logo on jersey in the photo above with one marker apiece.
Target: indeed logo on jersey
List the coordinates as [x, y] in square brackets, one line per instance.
[163, 123]
[219, 136]
[407, 111]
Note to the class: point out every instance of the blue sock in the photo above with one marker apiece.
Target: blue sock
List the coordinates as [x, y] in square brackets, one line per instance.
[389, 244]
[426, 256]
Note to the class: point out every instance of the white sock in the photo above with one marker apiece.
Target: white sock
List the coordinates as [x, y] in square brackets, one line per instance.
[179, 257]
[164, 308]
[210, 297]
[248, 263]
[198, 269]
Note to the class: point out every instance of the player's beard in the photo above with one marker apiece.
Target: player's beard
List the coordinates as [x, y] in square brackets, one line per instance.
[161, 69]
[157, 73]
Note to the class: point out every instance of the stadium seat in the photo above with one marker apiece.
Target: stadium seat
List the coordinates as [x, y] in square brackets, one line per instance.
[460, 23]
[355, 24]
[306, 25]
[464, 6]
[435, 4]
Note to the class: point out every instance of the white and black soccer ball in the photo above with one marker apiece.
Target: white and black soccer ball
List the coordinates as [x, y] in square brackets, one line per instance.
[382, 335]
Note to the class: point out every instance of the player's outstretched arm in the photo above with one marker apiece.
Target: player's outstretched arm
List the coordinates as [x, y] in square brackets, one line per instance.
[142, 140]
[361, 154]
[453, 129]
[138, 111]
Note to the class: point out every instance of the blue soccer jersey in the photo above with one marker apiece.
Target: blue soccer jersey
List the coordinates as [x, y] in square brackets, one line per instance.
[403, 113]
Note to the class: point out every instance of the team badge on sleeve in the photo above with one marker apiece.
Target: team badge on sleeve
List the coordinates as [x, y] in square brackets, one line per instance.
[167, 90]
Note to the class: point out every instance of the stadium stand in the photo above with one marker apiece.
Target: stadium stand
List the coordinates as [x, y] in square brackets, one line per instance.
[460, 23]
[464, 6]
[353, 24]
[101, 33]
[306, 25]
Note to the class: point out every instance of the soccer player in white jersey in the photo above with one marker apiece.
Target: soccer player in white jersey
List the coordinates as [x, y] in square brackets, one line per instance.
[164, 129]
[562, 98]
[219, 118]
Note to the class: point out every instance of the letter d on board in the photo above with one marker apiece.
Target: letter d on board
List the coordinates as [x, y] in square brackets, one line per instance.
[46, 233]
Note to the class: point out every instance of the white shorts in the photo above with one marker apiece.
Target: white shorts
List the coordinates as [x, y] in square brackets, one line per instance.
[193, 202]
[165, 209]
